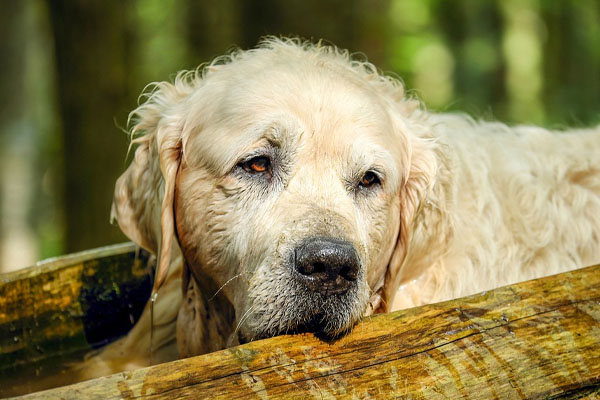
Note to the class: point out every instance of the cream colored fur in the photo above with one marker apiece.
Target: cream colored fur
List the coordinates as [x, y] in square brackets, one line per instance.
[464, 206]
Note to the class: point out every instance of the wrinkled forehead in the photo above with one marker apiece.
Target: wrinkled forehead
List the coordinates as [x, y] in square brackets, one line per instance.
[316, 109]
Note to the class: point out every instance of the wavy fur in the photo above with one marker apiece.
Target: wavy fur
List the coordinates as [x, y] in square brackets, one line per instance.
[465, 206]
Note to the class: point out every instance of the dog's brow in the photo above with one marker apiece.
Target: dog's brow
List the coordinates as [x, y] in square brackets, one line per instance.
[273, 134]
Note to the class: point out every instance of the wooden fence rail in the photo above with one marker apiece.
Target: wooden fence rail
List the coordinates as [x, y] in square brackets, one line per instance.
[536, 339]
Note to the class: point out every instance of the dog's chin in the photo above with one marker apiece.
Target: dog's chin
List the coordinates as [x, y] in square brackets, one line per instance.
[328, 317]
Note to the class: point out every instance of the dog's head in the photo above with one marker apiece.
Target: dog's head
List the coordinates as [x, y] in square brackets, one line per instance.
[288, 175]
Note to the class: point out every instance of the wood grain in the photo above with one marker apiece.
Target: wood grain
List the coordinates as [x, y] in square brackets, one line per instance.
[55, 312]
[536, 339]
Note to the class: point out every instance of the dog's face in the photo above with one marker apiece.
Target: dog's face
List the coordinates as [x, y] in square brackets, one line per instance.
[288, 176]
[289, 192]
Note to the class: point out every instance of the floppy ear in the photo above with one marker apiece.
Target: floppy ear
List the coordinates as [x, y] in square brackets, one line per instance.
[143, 199]
[416, 202]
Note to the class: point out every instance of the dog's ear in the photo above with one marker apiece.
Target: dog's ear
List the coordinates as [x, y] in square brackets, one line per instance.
[420, 164]
[143, 198]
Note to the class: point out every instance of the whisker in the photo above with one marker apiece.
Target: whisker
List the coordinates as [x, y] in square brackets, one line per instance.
[222, 286]
[243, 319]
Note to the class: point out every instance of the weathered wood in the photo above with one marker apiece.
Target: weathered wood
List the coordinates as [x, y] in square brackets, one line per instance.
[537, 339]
[59, 310]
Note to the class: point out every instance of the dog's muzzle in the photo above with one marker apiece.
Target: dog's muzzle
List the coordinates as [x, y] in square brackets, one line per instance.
[326, 265]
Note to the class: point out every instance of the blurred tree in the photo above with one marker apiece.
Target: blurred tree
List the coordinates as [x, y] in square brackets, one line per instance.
[522, 51]
[216, 26]
[420, 53]
[212, 28]
[16, 236]
[571, 67]
[158, 36]
[526, 61]
[92, 56]
[31, 223]
[373, 31]
[335, 20]
[472, 31]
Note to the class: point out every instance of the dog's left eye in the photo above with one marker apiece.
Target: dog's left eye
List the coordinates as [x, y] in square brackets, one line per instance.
[257, 165]
[369, 179]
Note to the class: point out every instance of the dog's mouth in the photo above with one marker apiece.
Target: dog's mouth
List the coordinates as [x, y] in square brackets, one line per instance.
[315, 326]
[326, 316]
[319, 287]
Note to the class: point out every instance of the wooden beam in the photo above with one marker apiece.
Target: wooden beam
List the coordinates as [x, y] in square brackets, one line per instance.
[60, 309]
[536, 339]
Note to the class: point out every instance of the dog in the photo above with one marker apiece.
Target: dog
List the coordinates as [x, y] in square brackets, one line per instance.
[293, 188]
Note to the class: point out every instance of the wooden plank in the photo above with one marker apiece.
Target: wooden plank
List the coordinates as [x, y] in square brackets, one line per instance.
[537, 339]
[49, 313]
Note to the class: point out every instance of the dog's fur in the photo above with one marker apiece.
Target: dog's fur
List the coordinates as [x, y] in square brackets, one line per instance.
[461, 206]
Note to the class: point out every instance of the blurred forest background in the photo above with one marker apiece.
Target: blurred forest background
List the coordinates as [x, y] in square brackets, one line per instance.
[71, 70]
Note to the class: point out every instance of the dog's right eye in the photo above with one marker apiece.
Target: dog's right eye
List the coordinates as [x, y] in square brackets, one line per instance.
[257, 165]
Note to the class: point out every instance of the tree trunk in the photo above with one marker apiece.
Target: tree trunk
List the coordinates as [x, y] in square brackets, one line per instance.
[91, 57]
[17, 147]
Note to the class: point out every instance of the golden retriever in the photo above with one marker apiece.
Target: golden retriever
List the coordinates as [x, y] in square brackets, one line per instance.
[293, 188]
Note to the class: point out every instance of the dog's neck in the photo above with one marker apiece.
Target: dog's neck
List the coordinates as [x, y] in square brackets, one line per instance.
[206, 318]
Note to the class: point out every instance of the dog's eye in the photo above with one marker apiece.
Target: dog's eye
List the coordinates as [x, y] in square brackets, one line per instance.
[369, 179]
[257, 165]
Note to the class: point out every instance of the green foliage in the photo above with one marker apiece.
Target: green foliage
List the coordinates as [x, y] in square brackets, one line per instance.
[72, 70]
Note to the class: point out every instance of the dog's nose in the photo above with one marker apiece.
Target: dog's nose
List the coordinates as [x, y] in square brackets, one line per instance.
[327, 265]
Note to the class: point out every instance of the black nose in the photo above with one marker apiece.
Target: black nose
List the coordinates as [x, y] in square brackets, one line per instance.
[326, 265]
